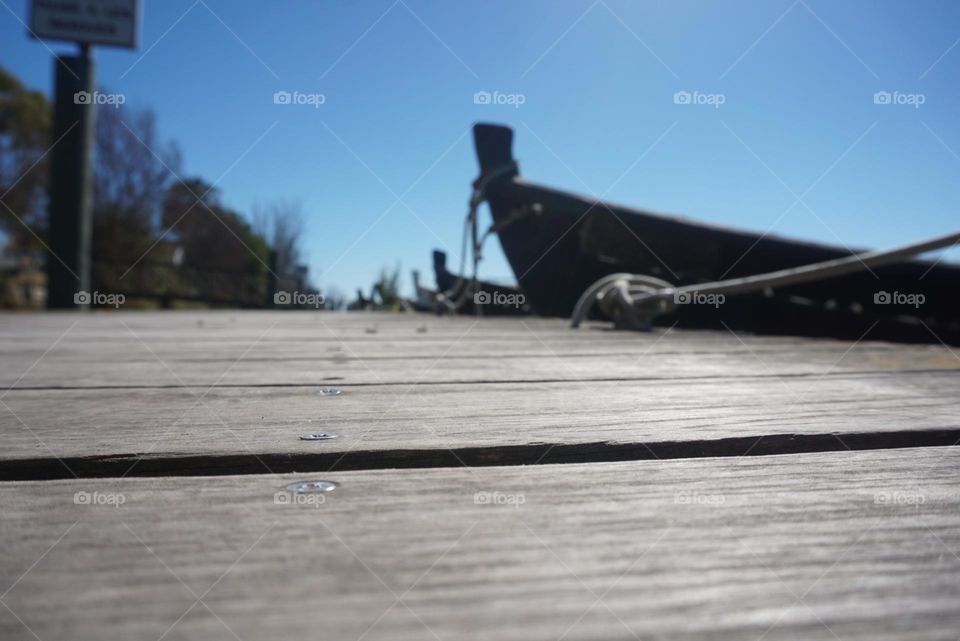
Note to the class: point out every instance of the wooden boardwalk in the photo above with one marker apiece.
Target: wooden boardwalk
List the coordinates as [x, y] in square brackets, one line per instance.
[498, 479]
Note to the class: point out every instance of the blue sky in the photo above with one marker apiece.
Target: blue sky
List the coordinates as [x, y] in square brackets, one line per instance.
[798, 144]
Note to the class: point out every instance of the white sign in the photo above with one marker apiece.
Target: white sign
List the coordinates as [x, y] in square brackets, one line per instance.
[103, 22]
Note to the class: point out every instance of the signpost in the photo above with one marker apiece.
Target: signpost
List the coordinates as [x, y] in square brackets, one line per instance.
[103, 22]
[71, 167]
[86, 22]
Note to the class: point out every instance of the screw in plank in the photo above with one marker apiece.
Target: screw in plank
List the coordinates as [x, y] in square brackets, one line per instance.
[329, 391]
[312, 487]
[321, 436]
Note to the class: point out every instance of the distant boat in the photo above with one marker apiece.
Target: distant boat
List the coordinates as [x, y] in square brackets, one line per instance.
[559, 243]
[494, 298]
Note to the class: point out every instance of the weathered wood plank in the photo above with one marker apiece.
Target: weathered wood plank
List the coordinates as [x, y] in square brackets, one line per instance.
[164, 423]
[296, 347]
[304, 329]
[127, 360]
[823, 546]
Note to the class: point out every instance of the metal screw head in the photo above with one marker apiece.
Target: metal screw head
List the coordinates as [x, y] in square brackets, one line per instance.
[321, 436]
[311, 487]
[329, 391]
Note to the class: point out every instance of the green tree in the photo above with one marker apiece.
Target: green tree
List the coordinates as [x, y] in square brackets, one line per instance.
[25, 126]
[226, 259]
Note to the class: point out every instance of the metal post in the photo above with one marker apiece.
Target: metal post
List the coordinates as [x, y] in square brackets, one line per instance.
[271, 279]
[70, 207]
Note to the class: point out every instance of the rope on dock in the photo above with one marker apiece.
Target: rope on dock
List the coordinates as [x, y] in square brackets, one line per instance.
[633, 300]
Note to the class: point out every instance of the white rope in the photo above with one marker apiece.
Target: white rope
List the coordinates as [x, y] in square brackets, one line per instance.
[633, 300]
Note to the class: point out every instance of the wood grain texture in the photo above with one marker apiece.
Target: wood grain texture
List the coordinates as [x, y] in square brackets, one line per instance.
[259, 349]
[164, 423]
[817, 546]
[215, 392]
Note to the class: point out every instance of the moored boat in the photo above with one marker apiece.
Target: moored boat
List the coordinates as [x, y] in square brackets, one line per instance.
[558, 244]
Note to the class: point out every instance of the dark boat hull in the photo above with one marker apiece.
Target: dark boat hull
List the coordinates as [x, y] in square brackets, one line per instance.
[558, 244]
[499, 300]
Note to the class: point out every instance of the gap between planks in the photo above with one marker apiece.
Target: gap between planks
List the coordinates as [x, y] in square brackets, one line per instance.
[137, 465]
[329, 380]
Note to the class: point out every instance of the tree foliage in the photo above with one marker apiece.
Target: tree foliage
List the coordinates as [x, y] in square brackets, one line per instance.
[25, 127]
[152, 230]
[282, 225]
[133, 170]
[227, 259]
